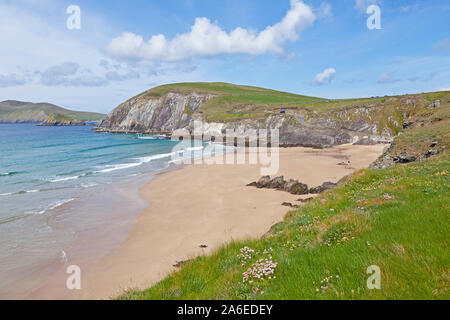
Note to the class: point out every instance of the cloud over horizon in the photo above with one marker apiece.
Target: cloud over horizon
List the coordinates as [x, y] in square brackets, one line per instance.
[325, 76]
[207, 39]
[10, 80]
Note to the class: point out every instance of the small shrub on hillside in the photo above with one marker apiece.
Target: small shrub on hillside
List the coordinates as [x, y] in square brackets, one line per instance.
[261, 268]
[338, 235]
[327, 283]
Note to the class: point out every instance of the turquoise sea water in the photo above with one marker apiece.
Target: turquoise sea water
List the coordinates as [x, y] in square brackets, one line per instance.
[43, 167]
[48, 175]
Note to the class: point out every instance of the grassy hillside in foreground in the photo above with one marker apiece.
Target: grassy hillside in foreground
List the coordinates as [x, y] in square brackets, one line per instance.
[396, 218]
[17, 111]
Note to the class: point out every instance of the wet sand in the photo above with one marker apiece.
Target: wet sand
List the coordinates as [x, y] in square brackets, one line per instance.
[205, 205]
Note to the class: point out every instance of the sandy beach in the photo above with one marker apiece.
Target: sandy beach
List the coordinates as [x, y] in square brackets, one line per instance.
[206, 205]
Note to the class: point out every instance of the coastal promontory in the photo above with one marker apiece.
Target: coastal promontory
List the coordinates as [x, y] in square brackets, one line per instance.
[301, 120]
[12, 111]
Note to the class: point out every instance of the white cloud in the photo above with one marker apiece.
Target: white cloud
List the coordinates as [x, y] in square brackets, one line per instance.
[116, 76]
[11, 80]
[445, 89]
[39, 50]
[325, 76]
[364, 4]
[207, 39]
[38, 41]
[324, 11]
[59, 74]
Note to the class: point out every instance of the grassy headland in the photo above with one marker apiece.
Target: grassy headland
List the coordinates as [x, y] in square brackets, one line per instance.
[396, 218]
[18, 111]
[233, 102]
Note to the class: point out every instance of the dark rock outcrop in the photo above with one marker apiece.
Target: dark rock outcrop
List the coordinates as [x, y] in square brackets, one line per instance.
[404, 157]
[277, 183]
[288, 204]
[324, 187]
[388, 160]
[264, 182]
[294, 187]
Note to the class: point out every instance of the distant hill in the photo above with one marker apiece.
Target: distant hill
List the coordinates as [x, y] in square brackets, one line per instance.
[12, 111]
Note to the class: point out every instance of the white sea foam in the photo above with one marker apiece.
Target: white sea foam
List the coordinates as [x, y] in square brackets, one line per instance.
[111, 168]
[153, 138]
[5, 174]
[89, 185]
[155, 157]
[52, 206]
[140, 161]
[19, 192]
[64, 179]
[56, 205]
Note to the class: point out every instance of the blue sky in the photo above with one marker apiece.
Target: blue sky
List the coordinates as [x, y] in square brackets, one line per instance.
[317, 48]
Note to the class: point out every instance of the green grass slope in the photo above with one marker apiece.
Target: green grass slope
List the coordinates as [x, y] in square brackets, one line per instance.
[17, 111]
[236, 103]
[233, 102]
[396, 218]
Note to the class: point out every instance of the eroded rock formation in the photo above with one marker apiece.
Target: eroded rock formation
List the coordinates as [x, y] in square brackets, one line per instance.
[176, 111]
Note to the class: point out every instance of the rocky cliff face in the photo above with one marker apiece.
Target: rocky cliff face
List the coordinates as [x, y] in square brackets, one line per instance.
[291, 132]
[173, 111]
[164, 114]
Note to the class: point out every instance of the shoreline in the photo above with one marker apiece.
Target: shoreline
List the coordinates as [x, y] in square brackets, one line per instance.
[205, 205]
[91, 238]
